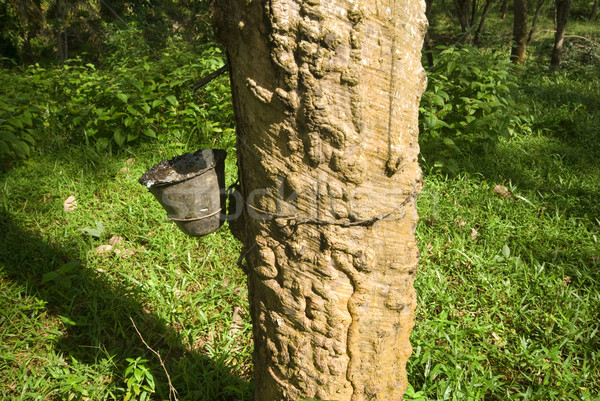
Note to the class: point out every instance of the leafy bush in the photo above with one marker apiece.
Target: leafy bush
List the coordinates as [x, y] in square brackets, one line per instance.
[469, 101]
[24, 112]
[129, 100]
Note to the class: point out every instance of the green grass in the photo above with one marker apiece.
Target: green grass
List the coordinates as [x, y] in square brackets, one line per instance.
[66, 310]
[509, 285]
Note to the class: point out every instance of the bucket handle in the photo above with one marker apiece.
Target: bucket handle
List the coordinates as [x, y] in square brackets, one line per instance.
[196, 218]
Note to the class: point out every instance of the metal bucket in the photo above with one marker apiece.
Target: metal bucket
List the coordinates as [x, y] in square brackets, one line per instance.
[191, 188]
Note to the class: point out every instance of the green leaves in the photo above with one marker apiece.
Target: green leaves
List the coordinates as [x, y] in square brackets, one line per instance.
[62, 277]
[123, 97]
[469, 101]
[22, 117]
[139, 380]
[95, 232]
[173, 100]
[127, 101]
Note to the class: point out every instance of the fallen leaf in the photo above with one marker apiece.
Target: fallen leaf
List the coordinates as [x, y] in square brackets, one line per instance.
[115, 240]
[124, 253]
[474, 234]
[70, 204]
[100, 249]
[130, 161]
[502, 191]
[94, 232]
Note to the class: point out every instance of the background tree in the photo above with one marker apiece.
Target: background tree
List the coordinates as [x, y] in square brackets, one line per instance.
[504, 9]
[23, 20]
[46, 31]
[463, 7]
[538, 9]
[326, 98]
[519, 47]
[562, 8]
[472, 16]
[427, 45]
[486, 9]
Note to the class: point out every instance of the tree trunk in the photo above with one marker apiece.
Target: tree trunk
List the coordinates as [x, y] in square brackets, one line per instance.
[427, 40]
[486, 9]
[474, 8]
[538, 9]
[326, 98]
[504, 8]
[562, 16]
[519, 47]
[594, 10]
[462, 11]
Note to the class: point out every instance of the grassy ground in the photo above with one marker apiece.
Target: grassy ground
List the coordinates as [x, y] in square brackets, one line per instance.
[69, 313]
[509, 286]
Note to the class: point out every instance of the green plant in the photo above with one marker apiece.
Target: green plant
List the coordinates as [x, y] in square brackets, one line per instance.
[470, 99]
[139, 380]
[25, 117]
[135, 100]
[412, 395]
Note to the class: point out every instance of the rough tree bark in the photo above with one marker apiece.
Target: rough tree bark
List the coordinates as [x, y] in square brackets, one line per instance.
[326, 97]
[519, 47]
[562, 16]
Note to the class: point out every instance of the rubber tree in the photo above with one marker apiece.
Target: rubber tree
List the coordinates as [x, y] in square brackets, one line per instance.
[519, 47]
[538, 10]
[562, 8]
[326, 97]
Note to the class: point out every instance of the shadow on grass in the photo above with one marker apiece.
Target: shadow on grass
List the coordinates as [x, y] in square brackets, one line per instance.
[100, 315]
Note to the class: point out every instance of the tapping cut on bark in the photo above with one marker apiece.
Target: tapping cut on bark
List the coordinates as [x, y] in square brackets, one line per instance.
[326, 98]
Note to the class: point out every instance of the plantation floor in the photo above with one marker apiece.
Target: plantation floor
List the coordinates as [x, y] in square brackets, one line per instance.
[509, 286]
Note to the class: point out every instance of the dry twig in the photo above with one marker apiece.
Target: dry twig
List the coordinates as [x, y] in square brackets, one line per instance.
[172, 391]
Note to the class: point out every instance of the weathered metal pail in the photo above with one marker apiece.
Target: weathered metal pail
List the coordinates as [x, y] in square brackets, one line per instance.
[190, 188]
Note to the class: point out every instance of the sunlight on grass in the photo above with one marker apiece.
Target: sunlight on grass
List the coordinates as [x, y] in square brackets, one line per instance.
[508, 288]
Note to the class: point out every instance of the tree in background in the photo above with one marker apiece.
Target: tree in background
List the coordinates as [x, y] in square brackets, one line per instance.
[519, 46]
[326, 98]
[34, 31]
[562, 8]
[486, 9]
[468, 12]
[536, 16]
[22, 21]
[463, 8]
